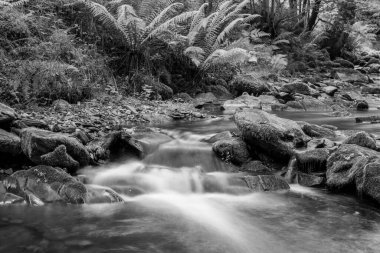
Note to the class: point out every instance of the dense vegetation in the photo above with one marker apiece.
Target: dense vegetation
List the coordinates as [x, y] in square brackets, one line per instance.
[74, 49]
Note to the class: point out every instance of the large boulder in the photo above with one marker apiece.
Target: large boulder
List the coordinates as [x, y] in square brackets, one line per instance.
[45, 147]
[296, 87]
[368, 182]
[7, 115]
[44, 184]
[232, 150]
[114, 145]
[10, 145]
[362, 139]
[269, 134]
[346, 165]
[244, 101]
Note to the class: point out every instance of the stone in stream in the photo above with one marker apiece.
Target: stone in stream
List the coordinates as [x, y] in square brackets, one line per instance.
[204, 98]
[330, 90]
[349, 75]
[7, 116]
[356, 170]
[114, 145]
[97, 194]
[44, 184]
[10, 146]
[219, 136]
[313, 130]
[296, 87]
[256, 168]
[312, 160]
[370, 119]
[244, 101]
[362, 105]
[232, 150]
[40, 147]
[248, 84]
[266, 133]
[362, 139]
[150, 140]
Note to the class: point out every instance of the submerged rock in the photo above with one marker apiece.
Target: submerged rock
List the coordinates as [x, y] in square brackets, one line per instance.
[220, 136]
[97, 194]
[362, 139]
[40, 147]
[232, 150]
[266, 183]
[44, 184]
[269, 134]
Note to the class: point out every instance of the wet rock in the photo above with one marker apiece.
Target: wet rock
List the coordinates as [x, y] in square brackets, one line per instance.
[226, 135]
[349, 75]
[7, 116]
[44, 184]
[320, 143]
[81, 136]
[269, 134]
[362, 105]
[344, 63]
[204, 98]
[249, 84]
[370, 90]
[313, 130]
[296, 87]
[97, 194]
[61, 105]
[267, 101]
[59, 157]
[114, 145]
[25, 123]
[330, 90]
[10, 145]
[256, 168]
[36, 143]
[362, 139]
[244, 101]
[220, 92]
[312, 160]
[368, 182]
[307, 180]
[232, 150]
[150, 140]
[266, 183]
[346, 164]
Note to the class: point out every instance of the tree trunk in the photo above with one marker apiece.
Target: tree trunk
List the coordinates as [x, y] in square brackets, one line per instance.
[314, 14]
[293, 7]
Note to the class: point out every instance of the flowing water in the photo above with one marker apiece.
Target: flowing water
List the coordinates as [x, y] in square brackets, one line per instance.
[169, 209]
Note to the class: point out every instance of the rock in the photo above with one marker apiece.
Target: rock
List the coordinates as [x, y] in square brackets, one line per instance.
[307, 180]
[346, 164]
[44, 184]
[61, 105]
[226, 135]
[285, 96]
[81, 136]
[269, 134]
[320, 143]
[184, 97]
[25, 123]
[267, 101]
[7, 116]
[36, 143]
[279, 107]
[59, 157]
[349, 75]
[220, 92]
[312, 104]
[362, 139]
[312, 160]
[296, 87]
[256, 168]
[362, 105]
[313, 130]
[204, 98]
[372, 119]
[330, 90]
[232, 150]
[368, 182]
[162, 90]
[114, 145]
[370, 90]
[97, 194]
[150, 140]
[374, 68]
[344, 63]
[249, 84]
[244, 101]
[266, 183]
[10, 145]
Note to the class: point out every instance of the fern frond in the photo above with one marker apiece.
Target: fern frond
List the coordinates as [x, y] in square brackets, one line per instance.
[165, 14]
[281, 42]
[251, 18]
[230, 27]
[199, 17]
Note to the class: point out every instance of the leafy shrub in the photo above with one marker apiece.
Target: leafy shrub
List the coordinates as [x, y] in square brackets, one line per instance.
[147, 86]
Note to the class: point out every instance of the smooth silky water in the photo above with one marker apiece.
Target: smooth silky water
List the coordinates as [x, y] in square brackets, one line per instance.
[167, 208]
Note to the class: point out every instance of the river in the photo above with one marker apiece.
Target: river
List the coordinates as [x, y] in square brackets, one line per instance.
[168, 210]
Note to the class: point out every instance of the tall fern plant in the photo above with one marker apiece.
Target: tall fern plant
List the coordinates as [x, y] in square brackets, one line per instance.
[209, 35]
[141, 29]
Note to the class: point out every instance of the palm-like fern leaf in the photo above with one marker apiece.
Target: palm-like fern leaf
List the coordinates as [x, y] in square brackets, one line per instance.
[165, 14]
